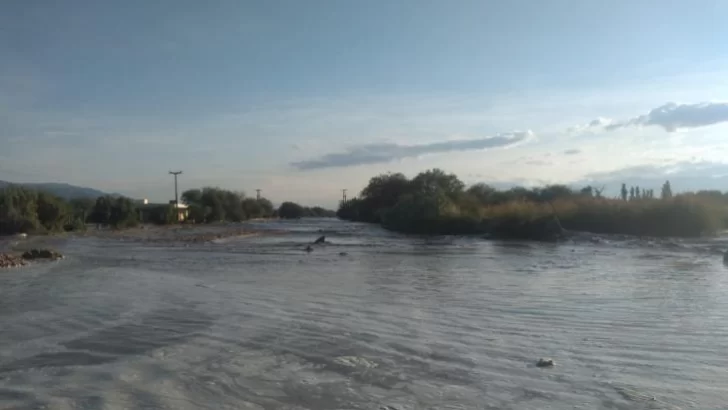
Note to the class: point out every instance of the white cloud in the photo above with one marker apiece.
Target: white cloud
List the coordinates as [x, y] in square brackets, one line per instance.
[672, 116]
[384, 153]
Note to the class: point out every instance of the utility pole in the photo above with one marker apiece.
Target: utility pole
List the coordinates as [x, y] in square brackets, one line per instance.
[343, 194]
[176, 197]
[257, 194]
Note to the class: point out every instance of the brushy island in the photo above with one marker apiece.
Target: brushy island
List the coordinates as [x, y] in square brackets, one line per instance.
[435, 202]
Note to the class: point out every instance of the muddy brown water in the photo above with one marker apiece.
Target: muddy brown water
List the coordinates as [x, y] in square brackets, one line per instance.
[398, 321]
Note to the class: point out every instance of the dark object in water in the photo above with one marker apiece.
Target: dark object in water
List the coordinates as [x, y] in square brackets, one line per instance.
[545, 362]
[725, 257]
[309, 248]
[343, 253]
[41, 254]
[321, 239]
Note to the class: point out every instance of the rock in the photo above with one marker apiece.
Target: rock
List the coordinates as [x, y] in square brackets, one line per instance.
[41, 254]
[11, 261]
[545, 362]
[321, 239]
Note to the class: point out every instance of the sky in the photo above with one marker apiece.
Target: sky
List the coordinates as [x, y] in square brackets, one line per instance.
[302, 99]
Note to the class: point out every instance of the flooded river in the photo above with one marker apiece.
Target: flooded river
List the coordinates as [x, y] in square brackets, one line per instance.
[373, 320]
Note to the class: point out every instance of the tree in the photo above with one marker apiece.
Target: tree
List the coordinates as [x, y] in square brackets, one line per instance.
[637, 194]
[101, 213]
[350, 210]
[252, 208]
[318, 212]
[482, 192]
[82, 208]
[624, 192]
[587, 191]
[384, 190]
[18, 210]
[631, 194]
[192, 196]
[118, 212]
[552, 192]
[53, 212]
[123, 213]
[429, 182]
[290, 210]
[419, 212]
[666, 190]
[267, 207]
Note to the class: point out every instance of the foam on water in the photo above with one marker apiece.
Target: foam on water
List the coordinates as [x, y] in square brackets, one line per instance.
[398, 323]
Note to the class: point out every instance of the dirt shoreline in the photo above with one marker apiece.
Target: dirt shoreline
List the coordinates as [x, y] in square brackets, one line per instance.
[187, 234]
[12, 247]
[177, 233]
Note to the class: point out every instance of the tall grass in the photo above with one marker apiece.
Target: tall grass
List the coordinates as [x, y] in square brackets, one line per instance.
[682, 216]
[435, 202]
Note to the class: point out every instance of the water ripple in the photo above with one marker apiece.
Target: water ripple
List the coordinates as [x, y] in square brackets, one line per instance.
[399, 323]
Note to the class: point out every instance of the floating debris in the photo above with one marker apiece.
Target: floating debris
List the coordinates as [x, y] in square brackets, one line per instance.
[545, 362]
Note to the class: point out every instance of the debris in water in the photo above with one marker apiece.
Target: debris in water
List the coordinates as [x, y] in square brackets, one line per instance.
[545, 362]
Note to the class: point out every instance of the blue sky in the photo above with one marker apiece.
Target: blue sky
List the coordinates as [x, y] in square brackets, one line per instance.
[302, 99]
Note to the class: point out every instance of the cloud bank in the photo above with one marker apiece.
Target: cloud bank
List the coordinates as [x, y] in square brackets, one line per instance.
[672, 117]
[383, 153]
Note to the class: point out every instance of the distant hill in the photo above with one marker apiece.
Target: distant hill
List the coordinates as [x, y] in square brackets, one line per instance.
[65, 191]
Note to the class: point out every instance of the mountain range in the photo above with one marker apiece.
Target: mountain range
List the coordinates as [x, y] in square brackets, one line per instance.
[65, 191]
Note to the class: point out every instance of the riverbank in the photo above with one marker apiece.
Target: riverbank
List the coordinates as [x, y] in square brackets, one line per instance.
[13, 247]
[177, 233]
[675, 218]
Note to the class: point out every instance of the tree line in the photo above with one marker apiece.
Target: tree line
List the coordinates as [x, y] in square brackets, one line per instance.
[436, 202]
[215, 205]
[30, 211]
[634, 193]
